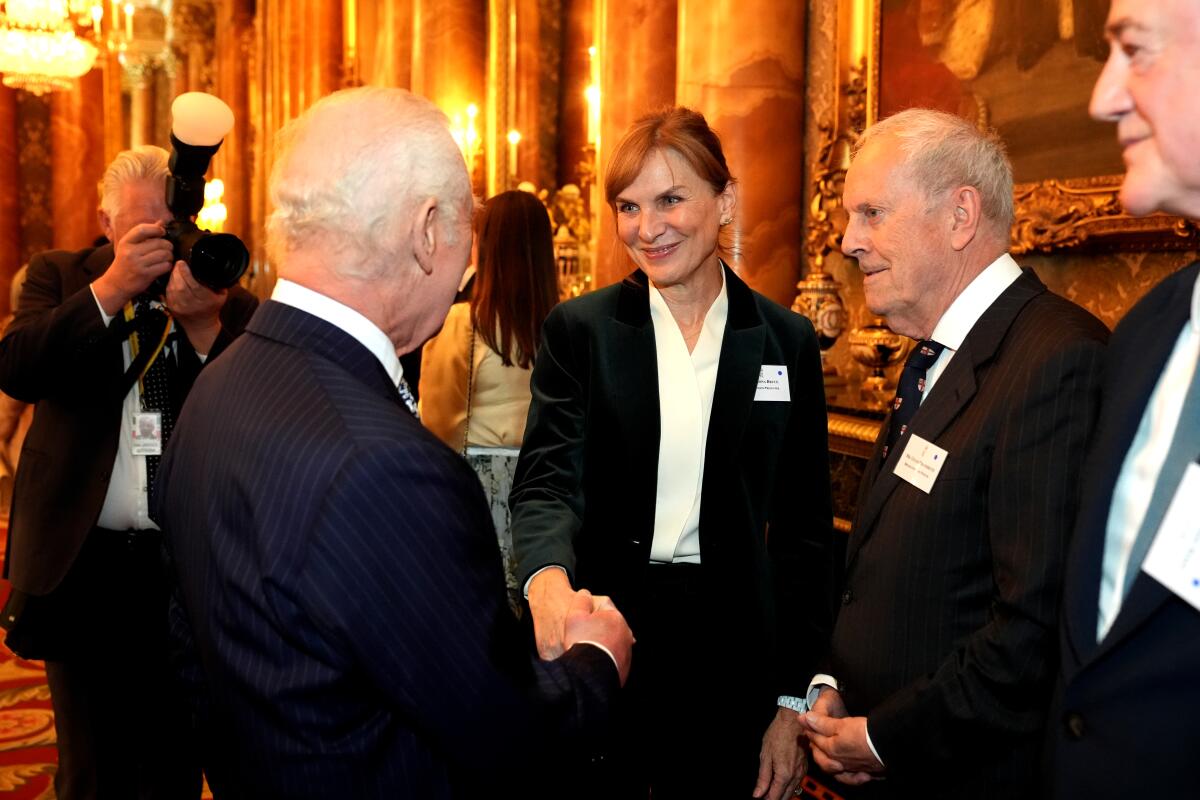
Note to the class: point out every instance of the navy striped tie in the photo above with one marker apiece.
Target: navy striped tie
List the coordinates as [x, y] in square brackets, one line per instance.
[912, 386]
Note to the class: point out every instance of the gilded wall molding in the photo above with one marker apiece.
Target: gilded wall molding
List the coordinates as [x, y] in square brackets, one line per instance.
[1085, 213]
[1055, 215]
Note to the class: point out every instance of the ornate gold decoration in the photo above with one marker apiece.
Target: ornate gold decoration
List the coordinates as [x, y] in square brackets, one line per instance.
[1085, 212]
[876, 347]
[853, 428]
[1051, 216]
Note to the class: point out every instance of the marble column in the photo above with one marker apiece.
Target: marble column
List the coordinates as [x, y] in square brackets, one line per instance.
[141, 112]
[741, 63]
[637, 48]
[77, 161]
[449, 52]
[10, 198]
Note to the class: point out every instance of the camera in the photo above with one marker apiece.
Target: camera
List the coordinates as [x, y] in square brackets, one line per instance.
[217, 260]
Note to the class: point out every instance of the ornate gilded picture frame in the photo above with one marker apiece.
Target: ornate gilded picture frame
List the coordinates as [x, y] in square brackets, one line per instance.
[1055, 212]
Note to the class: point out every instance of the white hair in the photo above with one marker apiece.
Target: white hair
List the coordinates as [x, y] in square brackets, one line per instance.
[351, 171]
[144, 163]
[943, 151]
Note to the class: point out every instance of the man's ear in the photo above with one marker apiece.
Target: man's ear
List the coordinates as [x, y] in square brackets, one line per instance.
[967, 211]
[105, 224]
[425, 234]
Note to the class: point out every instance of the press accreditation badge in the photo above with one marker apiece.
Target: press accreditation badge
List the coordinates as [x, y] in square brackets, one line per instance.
[1174, 557]
[773, 384]
[147, 433]
[920, 463]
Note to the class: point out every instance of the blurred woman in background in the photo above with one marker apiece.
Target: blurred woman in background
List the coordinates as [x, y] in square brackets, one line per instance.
[474, 386]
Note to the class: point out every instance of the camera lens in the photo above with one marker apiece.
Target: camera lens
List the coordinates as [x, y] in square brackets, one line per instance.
[218, 260]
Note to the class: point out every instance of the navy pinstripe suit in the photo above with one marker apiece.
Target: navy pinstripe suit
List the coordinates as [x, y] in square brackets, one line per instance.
[341, 588]
[945, 640]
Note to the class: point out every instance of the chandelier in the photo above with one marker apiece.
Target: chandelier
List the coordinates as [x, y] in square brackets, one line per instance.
[39, 51]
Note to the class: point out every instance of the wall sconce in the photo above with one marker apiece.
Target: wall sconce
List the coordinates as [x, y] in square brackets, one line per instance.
[213, 214]
[514, 141]
[466, 135]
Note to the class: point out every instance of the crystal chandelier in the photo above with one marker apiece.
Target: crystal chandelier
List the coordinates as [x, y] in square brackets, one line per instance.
[39, 51]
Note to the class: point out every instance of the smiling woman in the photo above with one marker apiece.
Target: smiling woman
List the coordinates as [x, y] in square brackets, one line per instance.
[677, 417]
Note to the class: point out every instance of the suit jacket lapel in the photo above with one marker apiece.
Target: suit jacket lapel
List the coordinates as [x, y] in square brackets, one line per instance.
[1122, 418]
[949, 396]
[297, 328]
[634, 367]
[737, 381]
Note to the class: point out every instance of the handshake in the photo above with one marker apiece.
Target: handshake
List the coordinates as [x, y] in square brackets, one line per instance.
[563, 617]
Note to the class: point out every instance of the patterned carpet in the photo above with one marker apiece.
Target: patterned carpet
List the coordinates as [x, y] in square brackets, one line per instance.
[27, 744]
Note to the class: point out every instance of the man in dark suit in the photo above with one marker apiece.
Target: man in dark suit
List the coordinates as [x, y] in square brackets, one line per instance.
[1124, 721]
[88, 594]
[341, 593]
[943, 657]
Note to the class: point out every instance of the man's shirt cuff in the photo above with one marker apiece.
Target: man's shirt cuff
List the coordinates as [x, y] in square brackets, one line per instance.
[103, 315]
[870, 744]
[525, 589]
[814, 691]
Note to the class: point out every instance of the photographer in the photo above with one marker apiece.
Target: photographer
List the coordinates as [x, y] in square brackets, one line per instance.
[108, 363]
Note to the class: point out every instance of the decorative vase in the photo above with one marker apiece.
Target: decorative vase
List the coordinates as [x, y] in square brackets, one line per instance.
[877, 347]
[817, 298]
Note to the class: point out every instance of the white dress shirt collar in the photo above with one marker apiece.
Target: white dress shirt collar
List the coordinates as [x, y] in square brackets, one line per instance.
[344, 317]
[968, 307]
[952, 329]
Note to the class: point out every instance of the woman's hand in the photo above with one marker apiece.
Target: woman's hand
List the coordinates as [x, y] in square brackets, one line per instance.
[550, 597]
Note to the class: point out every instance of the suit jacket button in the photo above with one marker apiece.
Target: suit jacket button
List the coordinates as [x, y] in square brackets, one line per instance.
[847, 596]
[1075, 726]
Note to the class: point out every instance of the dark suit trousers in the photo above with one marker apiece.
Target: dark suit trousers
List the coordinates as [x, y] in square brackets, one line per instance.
[122, 731]
[688, 725]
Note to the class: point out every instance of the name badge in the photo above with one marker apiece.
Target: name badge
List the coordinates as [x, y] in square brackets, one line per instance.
[773, 384]
[920, 463]
[1174, 557]
[147, 433]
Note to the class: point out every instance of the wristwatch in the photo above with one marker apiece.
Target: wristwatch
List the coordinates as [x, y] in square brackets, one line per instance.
[797, 704]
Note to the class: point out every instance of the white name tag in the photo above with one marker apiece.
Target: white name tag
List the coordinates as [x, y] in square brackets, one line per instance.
[1174, 557]
[773, 384]
[147, 433]
[920, 463]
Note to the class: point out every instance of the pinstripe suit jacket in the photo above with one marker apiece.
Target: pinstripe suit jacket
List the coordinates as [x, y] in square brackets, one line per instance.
[1125, 717]
[945, 636]
[340, 584]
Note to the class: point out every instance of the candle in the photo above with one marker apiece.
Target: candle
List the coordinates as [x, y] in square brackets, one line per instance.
[129, 21]
[592, 93]
[514, 139]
